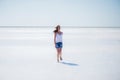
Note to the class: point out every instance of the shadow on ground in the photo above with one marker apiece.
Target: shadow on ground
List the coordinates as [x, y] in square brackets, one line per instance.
[69, 63]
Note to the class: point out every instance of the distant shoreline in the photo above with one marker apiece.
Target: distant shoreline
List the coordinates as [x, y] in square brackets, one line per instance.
[54, 26]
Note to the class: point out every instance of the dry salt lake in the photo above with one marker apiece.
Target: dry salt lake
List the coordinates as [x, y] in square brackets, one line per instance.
[88, 54]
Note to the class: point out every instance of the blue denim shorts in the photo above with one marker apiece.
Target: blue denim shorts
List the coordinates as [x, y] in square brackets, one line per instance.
[59, 45]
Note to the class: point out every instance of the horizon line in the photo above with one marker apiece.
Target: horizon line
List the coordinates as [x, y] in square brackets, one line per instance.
[62, 26]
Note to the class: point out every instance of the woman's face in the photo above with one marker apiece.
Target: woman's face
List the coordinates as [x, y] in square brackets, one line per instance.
[58, 28]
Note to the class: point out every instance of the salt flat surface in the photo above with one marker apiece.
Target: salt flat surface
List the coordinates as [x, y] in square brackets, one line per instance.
[88, 53]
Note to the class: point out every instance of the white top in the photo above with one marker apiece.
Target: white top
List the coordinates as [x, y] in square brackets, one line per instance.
[59, 37]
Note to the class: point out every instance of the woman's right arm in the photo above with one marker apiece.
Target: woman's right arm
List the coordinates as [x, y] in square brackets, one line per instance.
[54, 38]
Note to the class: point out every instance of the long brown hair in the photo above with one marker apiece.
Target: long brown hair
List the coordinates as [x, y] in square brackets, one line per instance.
[58, 26]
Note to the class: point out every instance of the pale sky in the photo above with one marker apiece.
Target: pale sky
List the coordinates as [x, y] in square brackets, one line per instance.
[64, 12]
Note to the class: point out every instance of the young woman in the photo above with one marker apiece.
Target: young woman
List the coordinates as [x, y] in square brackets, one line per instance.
[58, 42]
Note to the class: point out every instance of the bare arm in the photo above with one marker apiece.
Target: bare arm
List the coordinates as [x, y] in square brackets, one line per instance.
[54, 38]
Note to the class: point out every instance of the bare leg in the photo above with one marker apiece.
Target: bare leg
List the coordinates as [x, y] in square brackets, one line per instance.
[60, 53]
